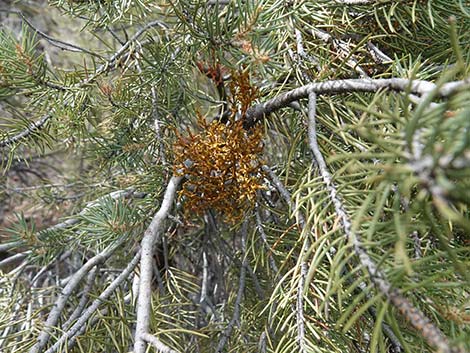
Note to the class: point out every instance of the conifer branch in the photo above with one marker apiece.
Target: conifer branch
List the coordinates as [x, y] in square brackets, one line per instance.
[111, 63]
[431, 333]
[241, 288]
[89, 206]
[34, 126]
[151, 236]
[53, 41]
[316, 275]
[61, 301]
[80, 325]
[421, 87]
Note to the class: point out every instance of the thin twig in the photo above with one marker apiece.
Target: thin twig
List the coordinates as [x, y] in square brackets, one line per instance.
[151, 235]
[343, 50]
[230, 256]
[284, 193]
[379, 56]
[395, 342]
[112, 61]
[44, 269]
[157, 125]
[301, 51]
[60, 303]
[79, 326]
[156, 119]
[264, 238]
[84, 298]
[34, 126]
[205, 276]
[300, 301]
[262, 343]
[53, 41]
[241, 288]
[302, 259]
[416, 244]
[10, 245]
[300, 55]
[14, 258]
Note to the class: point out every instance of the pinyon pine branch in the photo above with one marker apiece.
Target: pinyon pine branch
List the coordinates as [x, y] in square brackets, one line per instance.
[256, 113]
[350, 230]
[151, 236]
[430, 332]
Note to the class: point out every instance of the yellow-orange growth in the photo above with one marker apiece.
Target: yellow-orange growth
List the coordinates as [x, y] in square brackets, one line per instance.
[222, 166]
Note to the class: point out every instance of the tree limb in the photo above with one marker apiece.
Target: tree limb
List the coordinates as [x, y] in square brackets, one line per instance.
[151, 235]
[431, 333]
[258, 111]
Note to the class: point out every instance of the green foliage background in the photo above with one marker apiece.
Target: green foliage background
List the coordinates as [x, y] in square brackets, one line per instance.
[105, 120]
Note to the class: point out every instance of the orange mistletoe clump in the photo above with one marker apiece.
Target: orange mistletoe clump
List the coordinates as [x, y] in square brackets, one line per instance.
[243, 93]
[222, 166]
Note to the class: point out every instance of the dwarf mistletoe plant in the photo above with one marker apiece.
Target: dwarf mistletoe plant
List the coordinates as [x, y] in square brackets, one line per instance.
[234, 176]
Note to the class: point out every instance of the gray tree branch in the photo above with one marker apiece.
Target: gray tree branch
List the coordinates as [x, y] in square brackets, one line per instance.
[151, 235]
